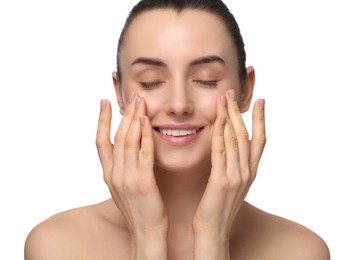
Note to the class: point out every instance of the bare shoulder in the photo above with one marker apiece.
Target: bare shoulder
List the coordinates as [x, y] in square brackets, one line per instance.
[278, 238]
[69, 234]
[295, 241]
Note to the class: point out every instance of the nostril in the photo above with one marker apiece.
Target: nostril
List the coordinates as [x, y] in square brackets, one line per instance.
[179, 105]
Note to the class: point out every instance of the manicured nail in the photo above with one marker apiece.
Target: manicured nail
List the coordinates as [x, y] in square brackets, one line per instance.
[262, 104]
[223, 100]
[142, 120]
[103, 104]
[232, 94]
[131, 97]
[138, 102]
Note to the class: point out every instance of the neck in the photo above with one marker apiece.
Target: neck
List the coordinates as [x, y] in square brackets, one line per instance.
[182, 192]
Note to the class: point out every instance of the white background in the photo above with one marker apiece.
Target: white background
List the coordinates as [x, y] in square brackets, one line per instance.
[56, 59]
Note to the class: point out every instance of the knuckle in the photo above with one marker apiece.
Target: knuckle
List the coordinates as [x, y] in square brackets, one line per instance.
[262, 140]
[130, 143]
[118, 138]
[144, 154]
[219, 152]
[261, 117]
[116, 183]
[236, 181]
[252, 178]
[106, 178]
[245, 178]
[107, 170]
[244, 135]
[127, 112]
[217, 137]
[234, 141]
[100, 143]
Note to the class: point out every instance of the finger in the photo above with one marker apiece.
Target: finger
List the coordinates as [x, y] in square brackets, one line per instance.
[104, 146]
[221, 110]
[133, 138]
[258, 134]
[120, 135]
[217, 148]
[146, 153]
[126, 120]
[241, 133]
[212, 199]
[221, 106]
[232, 151]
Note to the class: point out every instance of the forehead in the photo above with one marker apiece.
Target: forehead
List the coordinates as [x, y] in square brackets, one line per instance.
[165, 33]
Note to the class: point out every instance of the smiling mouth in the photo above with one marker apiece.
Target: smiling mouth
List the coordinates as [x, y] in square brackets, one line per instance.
[177, 132]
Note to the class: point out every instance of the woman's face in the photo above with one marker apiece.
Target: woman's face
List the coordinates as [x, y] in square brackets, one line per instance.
[180, 63]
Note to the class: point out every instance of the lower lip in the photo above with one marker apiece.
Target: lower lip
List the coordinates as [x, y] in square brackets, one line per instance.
[178, 140]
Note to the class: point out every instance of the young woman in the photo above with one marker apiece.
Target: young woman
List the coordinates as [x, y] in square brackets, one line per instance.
[182, 161]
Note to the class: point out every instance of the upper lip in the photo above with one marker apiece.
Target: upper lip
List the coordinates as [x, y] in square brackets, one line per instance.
[178, 126]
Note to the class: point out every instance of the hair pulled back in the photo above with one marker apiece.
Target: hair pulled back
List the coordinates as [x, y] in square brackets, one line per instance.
[216, 7]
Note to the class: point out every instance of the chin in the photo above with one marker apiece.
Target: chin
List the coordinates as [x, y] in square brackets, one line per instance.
[180, 163]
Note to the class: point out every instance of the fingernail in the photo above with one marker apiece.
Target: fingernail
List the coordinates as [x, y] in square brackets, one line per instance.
[103, 104]
[232, 94]
[142, 120]
[262, 104]
[223, 100]
[138, 102]
[131, 97]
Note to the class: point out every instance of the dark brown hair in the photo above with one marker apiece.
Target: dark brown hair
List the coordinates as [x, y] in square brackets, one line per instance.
[216, 7]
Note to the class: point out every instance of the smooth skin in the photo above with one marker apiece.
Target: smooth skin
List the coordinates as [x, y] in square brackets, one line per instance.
[164, 205]
[135, 192]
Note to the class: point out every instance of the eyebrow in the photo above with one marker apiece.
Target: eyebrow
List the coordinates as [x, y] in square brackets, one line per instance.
[160, 63]
[207, 59]
[149, 61]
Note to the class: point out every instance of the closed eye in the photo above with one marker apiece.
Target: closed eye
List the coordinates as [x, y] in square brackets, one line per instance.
[151, 84]
[210, 83]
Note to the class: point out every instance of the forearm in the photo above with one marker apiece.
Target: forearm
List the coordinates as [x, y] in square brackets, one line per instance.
[211, 248]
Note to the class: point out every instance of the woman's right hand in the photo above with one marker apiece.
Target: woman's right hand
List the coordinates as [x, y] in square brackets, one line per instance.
[128, 172]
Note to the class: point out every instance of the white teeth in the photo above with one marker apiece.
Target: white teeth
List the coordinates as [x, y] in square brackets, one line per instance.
[177, 132]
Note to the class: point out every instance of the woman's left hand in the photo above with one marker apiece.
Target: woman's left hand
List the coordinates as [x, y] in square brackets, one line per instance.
[235, 160]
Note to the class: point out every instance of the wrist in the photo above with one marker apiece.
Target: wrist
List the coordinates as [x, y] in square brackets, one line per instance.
[208, 247]
[150, 246]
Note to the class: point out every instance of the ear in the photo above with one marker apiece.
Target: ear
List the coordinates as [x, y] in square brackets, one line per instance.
[118, 91]
[247, 90]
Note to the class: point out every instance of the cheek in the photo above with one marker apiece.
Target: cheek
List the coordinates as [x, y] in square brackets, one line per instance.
[153, 101]
[153, 104]
[207, 107]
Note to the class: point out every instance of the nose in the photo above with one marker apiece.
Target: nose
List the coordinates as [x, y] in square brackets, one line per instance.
[179, 101]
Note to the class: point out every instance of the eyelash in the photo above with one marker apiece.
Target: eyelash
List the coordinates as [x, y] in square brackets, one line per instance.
[150, 84]
[210, 83]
